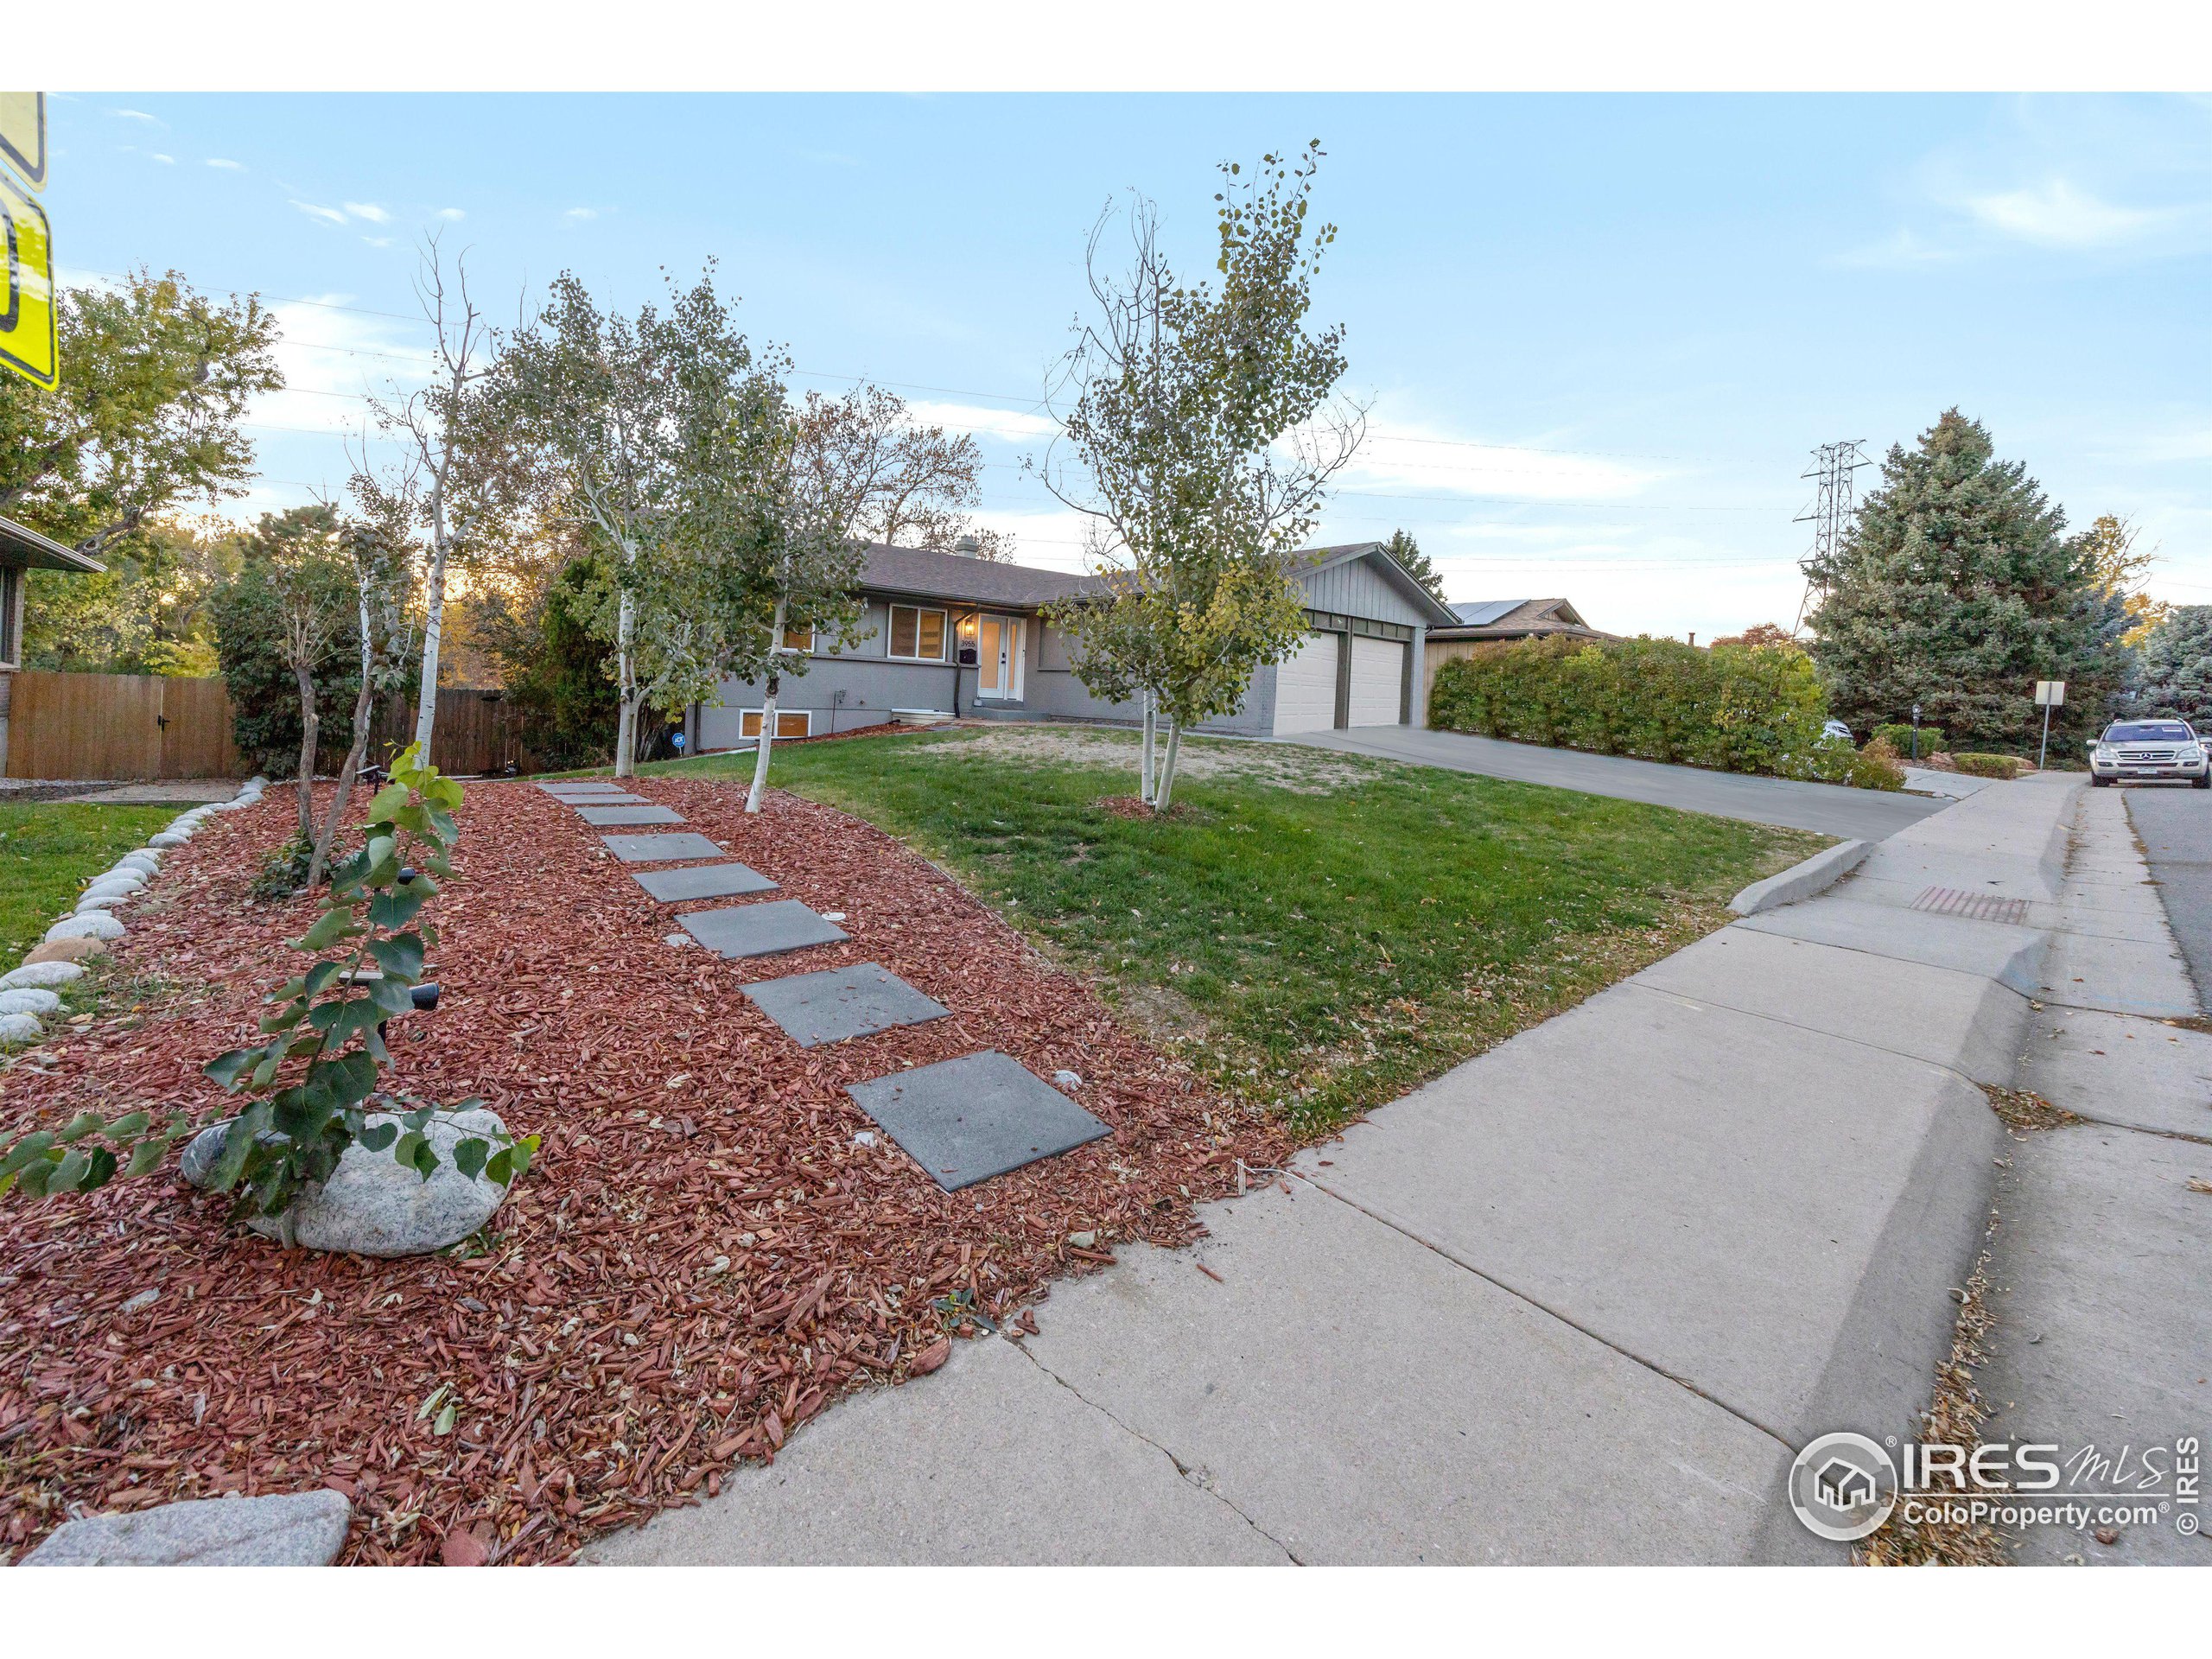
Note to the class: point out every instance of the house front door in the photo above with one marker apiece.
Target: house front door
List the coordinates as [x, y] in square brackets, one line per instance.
[998, 657]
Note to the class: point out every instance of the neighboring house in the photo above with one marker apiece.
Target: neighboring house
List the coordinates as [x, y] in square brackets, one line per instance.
[1486, 621]
[23, 549]
[948, 633]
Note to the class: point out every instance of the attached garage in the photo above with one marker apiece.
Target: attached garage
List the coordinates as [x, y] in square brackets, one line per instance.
[1306, 687]
[1378, 681]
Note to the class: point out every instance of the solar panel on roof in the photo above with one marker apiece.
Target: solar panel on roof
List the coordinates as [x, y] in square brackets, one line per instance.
[1476, 613]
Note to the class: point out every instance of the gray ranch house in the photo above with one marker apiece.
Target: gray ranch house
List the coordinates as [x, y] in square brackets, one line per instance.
[949, 634]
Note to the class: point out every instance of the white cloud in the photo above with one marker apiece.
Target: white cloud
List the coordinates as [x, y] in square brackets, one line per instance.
[227, 165]
[156, 156]
[993, 423]
[1415, 460]
[331, 215]
[377, 241]
[331, 359]
[581, 212]
[451, 214]
[2058, 215]
[369, 210]
[139, 115]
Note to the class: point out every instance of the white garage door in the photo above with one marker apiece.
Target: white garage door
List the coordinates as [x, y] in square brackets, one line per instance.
[1306, 687]
[1378, 672]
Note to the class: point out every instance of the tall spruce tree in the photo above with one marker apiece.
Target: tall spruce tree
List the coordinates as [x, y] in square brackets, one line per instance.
[2175, 676]
[1406, 551]
[1956, 588]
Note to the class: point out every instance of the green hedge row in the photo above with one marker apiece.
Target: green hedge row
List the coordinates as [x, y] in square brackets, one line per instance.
[1900, 737]
[1753, 708]
[1987, 766]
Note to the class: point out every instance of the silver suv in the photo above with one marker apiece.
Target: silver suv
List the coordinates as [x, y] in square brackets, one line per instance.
[2133, 749]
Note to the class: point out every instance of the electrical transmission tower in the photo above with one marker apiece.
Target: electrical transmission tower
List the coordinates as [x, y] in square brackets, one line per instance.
[1829, 512]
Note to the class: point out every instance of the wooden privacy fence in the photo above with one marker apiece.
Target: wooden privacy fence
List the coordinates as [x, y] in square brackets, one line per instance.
[126, 727]
[476, 731]
[130, 726]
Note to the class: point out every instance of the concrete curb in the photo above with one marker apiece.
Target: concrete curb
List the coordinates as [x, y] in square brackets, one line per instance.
[1815, 875]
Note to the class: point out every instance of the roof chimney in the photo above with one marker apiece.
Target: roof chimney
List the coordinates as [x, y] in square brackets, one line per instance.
[968, 547]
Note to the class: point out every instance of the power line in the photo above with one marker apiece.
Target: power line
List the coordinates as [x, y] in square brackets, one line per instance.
[1834, 464]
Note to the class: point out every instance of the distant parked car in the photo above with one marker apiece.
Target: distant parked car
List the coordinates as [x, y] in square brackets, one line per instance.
[2133, 750]
[1836, 728]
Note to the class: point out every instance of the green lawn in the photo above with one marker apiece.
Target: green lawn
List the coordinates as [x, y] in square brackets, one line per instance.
[49, 850]
[1316, 933]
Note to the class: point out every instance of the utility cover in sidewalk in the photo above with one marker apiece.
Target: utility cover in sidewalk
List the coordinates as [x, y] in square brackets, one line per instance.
[703, 881]
[828, 1007]
[611, 815]
[661, 850]
[759, 930]
[967, 1119]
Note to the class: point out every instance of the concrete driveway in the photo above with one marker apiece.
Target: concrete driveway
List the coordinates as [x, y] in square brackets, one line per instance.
[2175, 825]
[1828, 808]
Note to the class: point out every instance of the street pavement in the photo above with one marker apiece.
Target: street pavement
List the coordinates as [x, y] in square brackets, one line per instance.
[2174, 826]
[1827, 809]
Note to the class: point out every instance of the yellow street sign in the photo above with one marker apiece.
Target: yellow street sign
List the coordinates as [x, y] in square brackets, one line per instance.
[26, 333]
[22, 135]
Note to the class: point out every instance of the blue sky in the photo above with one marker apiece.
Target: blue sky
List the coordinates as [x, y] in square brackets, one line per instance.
[1601, 334]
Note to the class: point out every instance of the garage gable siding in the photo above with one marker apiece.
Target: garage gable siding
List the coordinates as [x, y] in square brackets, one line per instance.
[1356, 588]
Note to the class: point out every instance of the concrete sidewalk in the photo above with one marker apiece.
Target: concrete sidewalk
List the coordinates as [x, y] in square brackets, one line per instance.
[1828, 808]
[2103, 1250]
[1581, 1299]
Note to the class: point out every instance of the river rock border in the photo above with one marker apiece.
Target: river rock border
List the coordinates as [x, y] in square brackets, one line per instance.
[30, 993]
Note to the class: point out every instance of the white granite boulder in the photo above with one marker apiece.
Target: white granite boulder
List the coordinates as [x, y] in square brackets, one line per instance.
[120, 883]
[168, 839]
[91, 924]
[101, 902]
[370, 1205]
[40, 974]
[20, 1028]
[29, 999]
[145, 862]
[286, 1530]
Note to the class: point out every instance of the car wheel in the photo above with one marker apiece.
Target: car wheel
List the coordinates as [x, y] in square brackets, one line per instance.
[2099, 783]
[2205, 782]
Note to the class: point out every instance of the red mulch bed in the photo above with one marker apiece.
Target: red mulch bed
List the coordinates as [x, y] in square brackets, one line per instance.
[603, 1367]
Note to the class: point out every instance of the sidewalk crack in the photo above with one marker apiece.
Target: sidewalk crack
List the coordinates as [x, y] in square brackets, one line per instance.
[1190, 1473]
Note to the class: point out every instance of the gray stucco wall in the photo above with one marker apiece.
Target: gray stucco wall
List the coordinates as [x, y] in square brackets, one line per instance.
[861, 685]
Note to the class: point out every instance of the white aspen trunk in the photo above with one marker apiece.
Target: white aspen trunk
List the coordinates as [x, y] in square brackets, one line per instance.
[434, 625]
[1166, 790]
[625, 725]
[767, 712]
[1144, 760]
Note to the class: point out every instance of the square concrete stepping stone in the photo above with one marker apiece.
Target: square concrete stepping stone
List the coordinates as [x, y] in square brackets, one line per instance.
[704, 881]
[661, 850]
[967, 1119]
[759, 930]
[829, 1007]
[609, 816]
[582, 787]
[613, 797]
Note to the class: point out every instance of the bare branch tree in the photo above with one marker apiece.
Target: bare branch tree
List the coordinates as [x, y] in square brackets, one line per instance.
[436, 424]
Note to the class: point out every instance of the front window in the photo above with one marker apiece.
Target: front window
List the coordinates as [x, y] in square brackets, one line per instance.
[2150, 731]
[917, 634]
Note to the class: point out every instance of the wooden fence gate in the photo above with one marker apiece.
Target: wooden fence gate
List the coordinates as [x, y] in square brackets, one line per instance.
[477, 731]
[126, 727]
